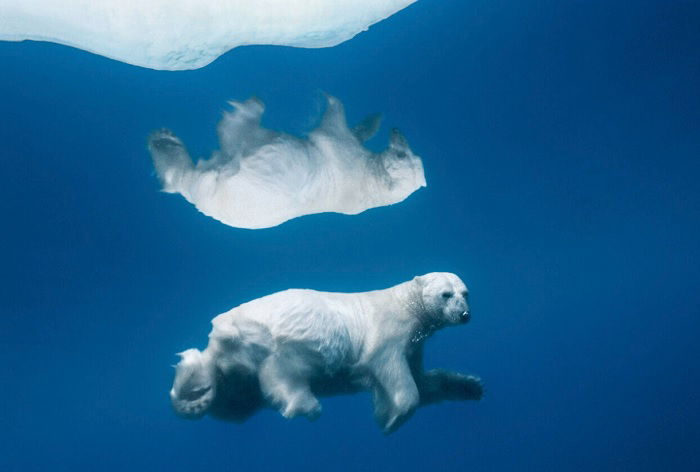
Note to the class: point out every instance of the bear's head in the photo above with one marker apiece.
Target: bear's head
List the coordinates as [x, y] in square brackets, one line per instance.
[405, 169]
[194, 386]
[445, 298]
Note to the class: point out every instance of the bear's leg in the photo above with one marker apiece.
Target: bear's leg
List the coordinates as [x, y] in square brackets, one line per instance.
[396, 394]
[439, 385]
[284, 382]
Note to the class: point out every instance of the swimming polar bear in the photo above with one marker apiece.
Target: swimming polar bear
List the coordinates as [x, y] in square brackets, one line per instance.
[262, 178]
[285, 349]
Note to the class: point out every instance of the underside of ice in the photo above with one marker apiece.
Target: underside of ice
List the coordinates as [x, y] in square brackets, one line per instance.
[260, 178]
[188, 34]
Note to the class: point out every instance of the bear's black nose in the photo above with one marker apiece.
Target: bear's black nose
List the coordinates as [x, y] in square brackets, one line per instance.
[464, 317]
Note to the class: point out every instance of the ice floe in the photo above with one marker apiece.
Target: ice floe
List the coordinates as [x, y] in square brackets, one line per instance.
[188, 34]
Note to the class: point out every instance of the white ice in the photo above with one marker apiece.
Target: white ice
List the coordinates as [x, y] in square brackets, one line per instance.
[260, 178]
[188, 34]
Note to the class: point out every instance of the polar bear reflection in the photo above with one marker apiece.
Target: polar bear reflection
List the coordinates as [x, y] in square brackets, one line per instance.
[285, 349]
[260, 178]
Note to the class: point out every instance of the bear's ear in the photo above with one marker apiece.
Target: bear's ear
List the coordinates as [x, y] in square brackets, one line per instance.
[420, 280]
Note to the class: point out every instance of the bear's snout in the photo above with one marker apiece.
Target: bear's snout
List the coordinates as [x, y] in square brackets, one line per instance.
[465, 316]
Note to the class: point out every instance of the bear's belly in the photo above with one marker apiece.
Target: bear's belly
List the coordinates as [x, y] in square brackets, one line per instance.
[344, 381]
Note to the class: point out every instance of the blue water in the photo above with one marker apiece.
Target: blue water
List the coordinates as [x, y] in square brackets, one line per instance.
[561, 142]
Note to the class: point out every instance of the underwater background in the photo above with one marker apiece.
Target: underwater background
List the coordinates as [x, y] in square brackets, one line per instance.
[561, 142]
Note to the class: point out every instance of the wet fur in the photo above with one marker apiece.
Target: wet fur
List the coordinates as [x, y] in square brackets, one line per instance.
[286, 350]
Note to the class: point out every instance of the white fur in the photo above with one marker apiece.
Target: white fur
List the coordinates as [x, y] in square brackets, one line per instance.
[260, 178]
[188, 34]
[285, 349]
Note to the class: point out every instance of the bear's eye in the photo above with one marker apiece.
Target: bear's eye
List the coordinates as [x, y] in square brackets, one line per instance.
[465, 294]
[447, 294]
[401, 154]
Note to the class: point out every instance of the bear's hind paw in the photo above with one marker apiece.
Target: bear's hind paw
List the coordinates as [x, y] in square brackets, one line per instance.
[310, 408]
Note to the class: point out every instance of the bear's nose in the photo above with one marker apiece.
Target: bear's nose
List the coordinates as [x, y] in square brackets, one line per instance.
[464, 317]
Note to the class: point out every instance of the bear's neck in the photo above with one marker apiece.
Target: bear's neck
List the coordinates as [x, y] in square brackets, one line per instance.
[410, 296]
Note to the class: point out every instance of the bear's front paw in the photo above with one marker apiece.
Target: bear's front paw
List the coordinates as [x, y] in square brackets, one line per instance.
[163, 140]
[396, 420]
[471, 388]
[405, 404]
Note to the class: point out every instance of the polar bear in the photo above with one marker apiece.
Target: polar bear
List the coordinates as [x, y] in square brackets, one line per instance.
[261, 178]
[285, 349]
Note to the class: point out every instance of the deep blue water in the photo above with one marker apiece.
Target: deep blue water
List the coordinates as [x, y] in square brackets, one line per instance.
[561, 142]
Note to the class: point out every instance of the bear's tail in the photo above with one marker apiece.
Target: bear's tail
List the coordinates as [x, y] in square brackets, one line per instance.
[194, 387]
[170, 158]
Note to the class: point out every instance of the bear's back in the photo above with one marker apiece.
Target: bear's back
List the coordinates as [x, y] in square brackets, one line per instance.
[306, 320]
